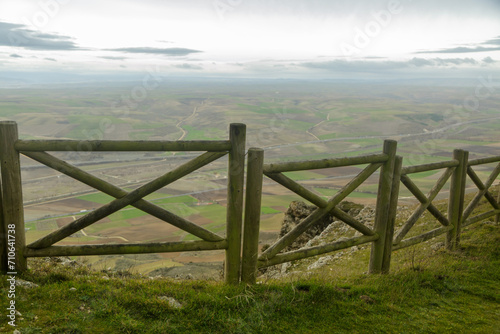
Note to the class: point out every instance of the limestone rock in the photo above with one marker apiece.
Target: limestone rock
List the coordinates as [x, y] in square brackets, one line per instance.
[172, 302]
[26, 284]
[298, 211]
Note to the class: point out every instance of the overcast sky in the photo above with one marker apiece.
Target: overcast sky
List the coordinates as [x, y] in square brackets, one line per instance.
[252, 38]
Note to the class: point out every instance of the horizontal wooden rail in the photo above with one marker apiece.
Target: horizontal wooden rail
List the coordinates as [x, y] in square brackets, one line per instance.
[122, 145]
[117, 192]
[483, 161]
[429, 167]
[482, 216]
[122, 202]
[140, 248]
[422, 237]
[313, 251]
[324, 163]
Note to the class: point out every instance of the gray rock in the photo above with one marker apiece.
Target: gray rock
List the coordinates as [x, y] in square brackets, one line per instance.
[322, 261]
[171, 302]
[298, 211]
[26, 284]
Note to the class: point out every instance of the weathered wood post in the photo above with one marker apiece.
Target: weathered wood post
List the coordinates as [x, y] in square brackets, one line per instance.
[12, 201]
[253, 199]
[456, 199]
[382, 207]
[391, 220]
[236, 171]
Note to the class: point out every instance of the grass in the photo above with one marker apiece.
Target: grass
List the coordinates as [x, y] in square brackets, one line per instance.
[447, 292]
[175, 199]
[268, 210]
[456, 292]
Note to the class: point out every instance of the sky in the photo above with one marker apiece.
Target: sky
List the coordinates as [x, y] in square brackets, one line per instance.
[252, 38]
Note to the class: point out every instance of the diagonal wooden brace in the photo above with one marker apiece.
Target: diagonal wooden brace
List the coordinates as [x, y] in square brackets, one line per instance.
[117, 192]
[420, 196]
[319, 213]
[472, 205]
[423, 206]
[320, 202]
[480, 185]
[130, 198]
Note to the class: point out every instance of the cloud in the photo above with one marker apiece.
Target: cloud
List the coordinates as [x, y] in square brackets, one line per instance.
[495, 41]
[189, 67]
[113, 58]
[17, 35]
[50, 59]
[464, 49]
[490, 45]
[341, 65]
[15, 56]
[489, 60]
[166, 51]
[440, 62]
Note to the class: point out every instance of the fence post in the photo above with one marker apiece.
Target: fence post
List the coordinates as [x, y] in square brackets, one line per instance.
[251, 225]
[12, 201]
[382, 207]
[236, 171]
[456, 199]
[391, 218]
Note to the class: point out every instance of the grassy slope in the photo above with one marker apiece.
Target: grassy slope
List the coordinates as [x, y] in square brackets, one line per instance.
[450, 292]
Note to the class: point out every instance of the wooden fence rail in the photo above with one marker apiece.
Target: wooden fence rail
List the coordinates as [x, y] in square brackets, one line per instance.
[241, 242]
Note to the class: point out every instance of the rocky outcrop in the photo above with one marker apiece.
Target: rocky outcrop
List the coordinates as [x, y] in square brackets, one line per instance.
[298, 211]
[328, 229]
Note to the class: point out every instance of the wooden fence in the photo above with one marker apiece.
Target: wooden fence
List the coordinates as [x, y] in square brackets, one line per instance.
[242, 259]
[14, 254]
[383, 237]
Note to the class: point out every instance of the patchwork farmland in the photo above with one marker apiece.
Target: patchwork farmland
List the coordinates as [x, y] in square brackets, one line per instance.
[287, 119]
